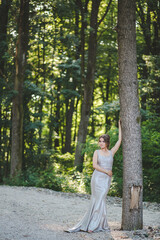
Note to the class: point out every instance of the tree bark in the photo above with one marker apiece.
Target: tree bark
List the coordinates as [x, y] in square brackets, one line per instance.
[70, 109]
[88, 86]
[17, 110]
[69, 116]
[107, 95]
[50, 125]
[4, 9]
[57, 116]
[41, 104]
[130, 116]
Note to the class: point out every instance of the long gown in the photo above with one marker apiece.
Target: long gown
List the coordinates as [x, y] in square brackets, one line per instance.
[96, 217]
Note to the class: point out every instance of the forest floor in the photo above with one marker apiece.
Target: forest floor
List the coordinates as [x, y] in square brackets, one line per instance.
[42, 214]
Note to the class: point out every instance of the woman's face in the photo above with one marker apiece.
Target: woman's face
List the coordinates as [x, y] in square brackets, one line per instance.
[102, 143]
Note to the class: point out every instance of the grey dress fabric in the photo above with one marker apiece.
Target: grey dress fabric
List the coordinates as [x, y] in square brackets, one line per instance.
[96, 217]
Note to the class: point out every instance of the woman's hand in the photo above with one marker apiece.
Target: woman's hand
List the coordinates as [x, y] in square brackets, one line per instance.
[109, 173]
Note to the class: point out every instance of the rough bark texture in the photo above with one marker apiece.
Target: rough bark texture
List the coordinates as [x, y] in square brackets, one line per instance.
[88, 85]
[4, 9]
[17, 110]
[130, 116]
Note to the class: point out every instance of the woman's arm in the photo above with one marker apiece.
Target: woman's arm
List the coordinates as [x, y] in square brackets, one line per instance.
[97, 167]
[118, 143]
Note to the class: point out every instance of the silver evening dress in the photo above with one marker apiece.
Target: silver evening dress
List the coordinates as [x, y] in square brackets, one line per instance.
[95, 218]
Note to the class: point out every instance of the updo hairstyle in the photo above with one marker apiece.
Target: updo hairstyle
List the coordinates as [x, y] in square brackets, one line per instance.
[106, 138]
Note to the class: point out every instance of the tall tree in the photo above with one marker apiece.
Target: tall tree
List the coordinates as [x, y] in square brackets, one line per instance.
[88, 84]
[71, 103]
[88, 80]
[4, 9]
[130, 116]
[17, 110]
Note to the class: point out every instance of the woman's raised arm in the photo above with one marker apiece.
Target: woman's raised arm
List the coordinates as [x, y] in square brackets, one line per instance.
[118, 143]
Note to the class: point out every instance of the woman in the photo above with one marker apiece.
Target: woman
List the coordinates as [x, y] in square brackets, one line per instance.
[96, 218]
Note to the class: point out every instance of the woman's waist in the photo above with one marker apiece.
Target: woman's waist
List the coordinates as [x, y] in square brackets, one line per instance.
[99, 174]
[106, 167]
[97, 171]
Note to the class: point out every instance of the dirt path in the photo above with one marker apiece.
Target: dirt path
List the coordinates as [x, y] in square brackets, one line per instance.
[42, 214]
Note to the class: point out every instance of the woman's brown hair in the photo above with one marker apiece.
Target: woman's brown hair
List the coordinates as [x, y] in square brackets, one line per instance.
[106, 138]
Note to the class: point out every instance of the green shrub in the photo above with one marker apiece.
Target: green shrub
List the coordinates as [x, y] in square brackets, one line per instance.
[64, 161]
[49, 179]
[38, 178]
[58, 172]
[151, 159]
[18, 180]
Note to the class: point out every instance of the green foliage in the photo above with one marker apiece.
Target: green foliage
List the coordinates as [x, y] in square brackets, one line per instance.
[53, 78]
[37, 178]
[151, 159]
[18, 180]
[90, 146]
[64, 162]
[61, 175]
[110, 107]
[49, 179]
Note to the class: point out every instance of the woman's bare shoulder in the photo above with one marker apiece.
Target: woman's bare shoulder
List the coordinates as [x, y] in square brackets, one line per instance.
[96, 151]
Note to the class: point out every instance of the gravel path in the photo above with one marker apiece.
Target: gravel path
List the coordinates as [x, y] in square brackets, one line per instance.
[42, 214]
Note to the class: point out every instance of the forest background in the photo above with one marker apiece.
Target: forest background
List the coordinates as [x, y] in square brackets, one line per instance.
[56, 46]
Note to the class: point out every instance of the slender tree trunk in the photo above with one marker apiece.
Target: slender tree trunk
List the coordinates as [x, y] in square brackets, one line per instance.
[50, 125]
[130, 115]
[62, 129]
[17, 110]
[57, 116]
[70, 110]
[4, 9]
[107, 97]
[69, 126]
[92, 133]
[76, 123]
[44, 81]
[88, 86]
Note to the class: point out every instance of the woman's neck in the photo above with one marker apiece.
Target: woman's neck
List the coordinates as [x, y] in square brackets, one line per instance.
[104, 149]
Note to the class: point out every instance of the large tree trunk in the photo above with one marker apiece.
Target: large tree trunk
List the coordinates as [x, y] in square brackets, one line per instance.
[130, 116]
[88, 85]
[17, 110]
